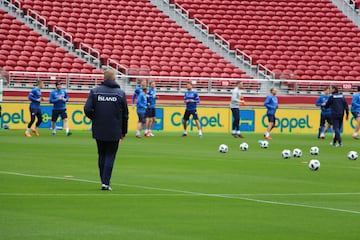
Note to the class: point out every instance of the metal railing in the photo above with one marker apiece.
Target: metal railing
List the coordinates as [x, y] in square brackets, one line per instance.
[177, 85]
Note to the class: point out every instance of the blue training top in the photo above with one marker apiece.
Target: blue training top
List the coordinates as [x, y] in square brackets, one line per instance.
[56, 97]
[191, 95]
[135, 96]
[151, 100]
[271, 103]
[141, 104]
[355, 103]
[323, 99]
[34, 95]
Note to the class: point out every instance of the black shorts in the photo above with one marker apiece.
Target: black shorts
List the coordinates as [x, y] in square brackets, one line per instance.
[190, 112]
[150, 112]
[57, 113]
[271, 118]
[141, 117]
[35, 112]
[356, 114]
[325, 118]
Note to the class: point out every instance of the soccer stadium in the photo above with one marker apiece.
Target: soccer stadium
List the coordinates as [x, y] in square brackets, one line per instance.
[214, 119]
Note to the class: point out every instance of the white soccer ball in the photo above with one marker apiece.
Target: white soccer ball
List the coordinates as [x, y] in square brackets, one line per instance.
[297, 152]
[244, 146]
[264, 144]
[352, 155]
[223, 148]
[314, 165]
[286, 153]
[314, 151]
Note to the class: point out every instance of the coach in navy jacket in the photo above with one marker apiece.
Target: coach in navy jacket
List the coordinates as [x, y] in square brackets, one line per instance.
[107, 108]
[338, 106]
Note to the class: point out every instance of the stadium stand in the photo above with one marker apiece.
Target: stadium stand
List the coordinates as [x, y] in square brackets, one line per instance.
[22, 49]
[137, 35]
[311, 39]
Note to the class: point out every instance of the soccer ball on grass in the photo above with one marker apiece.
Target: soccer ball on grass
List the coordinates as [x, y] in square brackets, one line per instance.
[244, 146]
[352, 155]
[286, 153]
[297, 152]
[223, 148]
[264, 144]
[314, 165]
[314, 151]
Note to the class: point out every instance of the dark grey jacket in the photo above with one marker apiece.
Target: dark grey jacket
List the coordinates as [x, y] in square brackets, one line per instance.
[107, 108]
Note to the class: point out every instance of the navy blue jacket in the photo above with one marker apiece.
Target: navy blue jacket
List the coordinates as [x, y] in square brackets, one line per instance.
[338, 105]
[107, 108]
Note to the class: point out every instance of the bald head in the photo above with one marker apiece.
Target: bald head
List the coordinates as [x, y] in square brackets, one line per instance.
[109, 74]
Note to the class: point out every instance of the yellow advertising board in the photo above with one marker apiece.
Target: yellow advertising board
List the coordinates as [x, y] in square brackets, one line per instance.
[212, 119]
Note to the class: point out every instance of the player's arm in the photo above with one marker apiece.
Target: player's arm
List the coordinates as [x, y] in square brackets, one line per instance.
[267, 102]
[328, 103]
[197, 98]
[346, 106]
[125, 115]
[32, 96]
[356, 101]
[53, 98]
[66, 97]
[89, 106]
[318, 102]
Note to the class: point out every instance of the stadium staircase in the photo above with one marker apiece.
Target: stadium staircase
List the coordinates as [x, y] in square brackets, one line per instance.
[298, 39]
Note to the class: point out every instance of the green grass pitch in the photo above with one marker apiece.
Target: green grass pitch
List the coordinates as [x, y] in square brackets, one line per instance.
[169, 187]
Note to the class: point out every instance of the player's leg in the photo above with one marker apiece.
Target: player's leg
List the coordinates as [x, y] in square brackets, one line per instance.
[233, 127]
[139, 125]
[153, 120]
[38, 122]
[198, 125]
[147, 122]
[64, 117]
[336, 127]
[357, 126]
[321, 133]
[271, 124]
[101, 158]
[185, 119]
[54, 117]
[32, 120]
[110, 155]
[339, 135]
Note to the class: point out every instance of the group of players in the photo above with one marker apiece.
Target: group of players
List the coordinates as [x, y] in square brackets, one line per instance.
[58, 97]
[332, 103]
[333, 106]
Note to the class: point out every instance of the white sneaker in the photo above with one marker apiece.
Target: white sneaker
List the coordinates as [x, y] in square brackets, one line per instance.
[151, 134]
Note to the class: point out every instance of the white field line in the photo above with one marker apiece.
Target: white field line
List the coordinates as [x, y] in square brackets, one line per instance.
[238, 197]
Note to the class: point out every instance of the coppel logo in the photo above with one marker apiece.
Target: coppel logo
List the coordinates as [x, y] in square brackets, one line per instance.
[353, 122]
[176, 120]
[288, 123]
[13, 118]
[78, 117]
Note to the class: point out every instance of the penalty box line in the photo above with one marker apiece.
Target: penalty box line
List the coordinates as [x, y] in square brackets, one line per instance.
[191, 193]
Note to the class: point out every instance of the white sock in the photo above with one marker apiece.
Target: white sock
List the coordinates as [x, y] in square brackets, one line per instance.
[267, 134]
[233, 132]
[200, 132]
[137, 132]
[28, 130]
[146, 131]
[356, 134]
[67, 130]
[54, 130]
[185, 131]
[238, 132]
